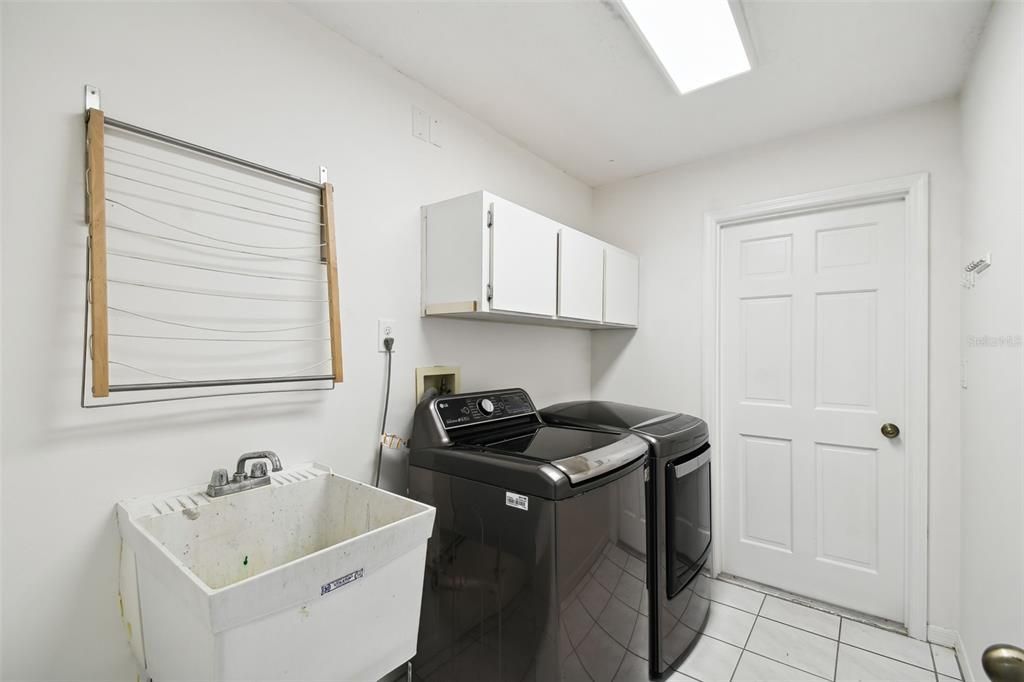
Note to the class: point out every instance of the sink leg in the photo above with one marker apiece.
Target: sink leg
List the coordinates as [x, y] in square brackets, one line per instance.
[408, 672]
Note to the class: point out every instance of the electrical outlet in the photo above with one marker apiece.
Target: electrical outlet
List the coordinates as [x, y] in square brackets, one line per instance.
[420, 124]
[436, 134]
[385, 328]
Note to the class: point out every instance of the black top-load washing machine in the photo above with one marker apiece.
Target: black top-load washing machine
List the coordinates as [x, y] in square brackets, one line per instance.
[678, 514]
[535, 570]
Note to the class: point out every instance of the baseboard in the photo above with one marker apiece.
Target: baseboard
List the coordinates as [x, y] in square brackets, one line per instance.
[942, 636]
[951, 638]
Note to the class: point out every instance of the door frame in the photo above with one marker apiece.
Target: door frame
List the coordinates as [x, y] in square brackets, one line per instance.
[913, 189]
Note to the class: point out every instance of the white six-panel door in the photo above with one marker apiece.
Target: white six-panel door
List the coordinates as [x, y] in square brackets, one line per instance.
[812, 353]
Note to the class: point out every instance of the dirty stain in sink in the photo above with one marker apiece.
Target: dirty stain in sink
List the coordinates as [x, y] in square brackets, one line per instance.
[190, 513]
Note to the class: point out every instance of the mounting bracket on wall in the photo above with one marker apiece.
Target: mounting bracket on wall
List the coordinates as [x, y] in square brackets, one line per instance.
[92, 97]
[974, 268]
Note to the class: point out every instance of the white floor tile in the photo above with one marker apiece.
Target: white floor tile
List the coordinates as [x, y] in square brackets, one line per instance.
[577, 622]
[572, 670]
[618, 620]
[641, 637]
[600, 655]
[887, 643]
[755, 668]
[607, 574]
[637, 567]
[710, 661]
[629, 591]
[947, 678]
[945, 662]
[729, 594]
[617, 555]
[724, 622]
[857, 665]
[632, 669]
[808, 652]
[594, 598]
[803, 617]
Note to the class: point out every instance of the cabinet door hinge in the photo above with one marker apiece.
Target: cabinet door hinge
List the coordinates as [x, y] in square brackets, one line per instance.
[490, 216]
[490, 293]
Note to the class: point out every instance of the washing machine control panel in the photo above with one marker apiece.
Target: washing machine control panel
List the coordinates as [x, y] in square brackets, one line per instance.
[479, 408]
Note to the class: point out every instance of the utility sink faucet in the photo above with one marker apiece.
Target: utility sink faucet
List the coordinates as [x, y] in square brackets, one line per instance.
[257, 476]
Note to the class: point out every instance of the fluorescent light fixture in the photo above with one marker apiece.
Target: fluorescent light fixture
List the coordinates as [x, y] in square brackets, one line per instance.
[697, 42]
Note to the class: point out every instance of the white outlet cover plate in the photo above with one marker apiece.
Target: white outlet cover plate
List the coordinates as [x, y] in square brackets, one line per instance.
[420, 124]
[385, 328]
[436, 131]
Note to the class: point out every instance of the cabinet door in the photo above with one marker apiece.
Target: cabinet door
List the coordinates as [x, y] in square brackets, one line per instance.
[580, 275]
[621, 287]
[524, 260]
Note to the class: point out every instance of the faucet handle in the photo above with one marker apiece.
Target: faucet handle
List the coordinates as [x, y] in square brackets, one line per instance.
[259, 470]
[218, 479]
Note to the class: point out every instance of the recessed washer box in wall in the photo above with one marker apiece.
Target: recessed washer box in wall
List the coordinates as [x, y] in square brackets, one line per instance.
[486, 258]
[313, 577]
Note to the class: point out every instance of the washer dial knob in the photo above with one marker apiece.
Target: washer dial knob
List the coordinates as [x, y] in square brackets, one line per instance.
[486, 407]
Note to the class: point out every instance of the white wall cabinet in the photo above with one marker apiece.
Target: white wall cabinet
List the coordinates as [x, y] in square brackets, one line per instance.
[580, 276]
[621, 287]
[486, 258]
[523, 259]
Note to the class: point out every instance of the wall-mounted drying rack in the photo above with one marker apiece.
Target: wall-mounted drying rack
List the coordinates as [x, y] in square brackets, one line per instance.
[190, 288]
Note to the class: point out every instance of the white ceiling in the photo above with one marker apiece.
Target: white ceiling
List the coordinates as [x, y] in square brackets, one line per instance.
[575, 85]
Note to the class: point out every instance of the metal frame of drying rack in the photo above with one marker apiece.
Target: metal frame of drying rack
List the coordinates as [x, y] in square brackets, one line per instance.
[96, 278]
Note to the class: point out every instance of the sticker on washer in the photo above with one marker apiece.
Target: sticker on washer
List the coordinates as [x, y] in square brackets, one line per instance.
[327, 588]
[516, 500]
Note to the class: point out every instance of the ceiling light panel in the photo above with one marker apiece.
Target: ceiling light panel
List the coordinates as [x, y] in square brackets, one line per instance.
[696, 42]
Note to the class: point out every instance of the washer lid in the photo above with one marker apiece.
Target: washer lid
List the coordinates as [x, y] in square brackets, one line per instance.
[539, 443]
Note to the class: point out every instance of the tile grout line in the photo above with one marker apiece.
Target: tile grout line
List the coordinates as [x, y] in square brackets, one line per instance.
[626, 650]
[743, 650]
[837, 642]
[839, 639]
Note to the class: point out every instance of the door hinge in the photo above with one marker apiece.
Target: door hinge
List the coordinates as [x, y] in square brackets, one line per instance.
[490, 216]
[490, 293]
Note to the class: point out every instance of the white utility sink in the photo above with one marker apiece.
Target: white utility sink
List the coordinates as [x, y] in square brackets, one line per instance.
[313, 577]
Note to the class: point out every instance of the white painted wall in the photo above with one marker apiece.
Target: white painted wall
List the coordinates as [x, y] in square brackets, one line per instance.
[261, 81]
[992, 589]
[660, 217]
[1, 339]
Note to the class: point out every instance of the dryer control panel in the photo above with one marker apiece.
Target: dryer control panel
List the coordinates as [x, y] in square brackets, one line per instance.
[469, 409]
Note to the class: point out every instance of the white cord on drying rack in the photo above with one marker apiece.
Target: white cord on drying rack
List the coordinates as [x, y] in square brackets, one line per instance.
[122, 254]
[170, 378]
[215, 329]
[211, 200]
[221, 294]
[209, 175]
[213, 213]
[214, 338]
[311, 210]
[210, 237]
[209, 246]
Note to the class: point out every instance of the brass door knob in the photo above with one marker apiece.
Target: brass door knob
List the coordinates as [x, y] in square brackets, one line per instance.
[890, 430]
[1003, 663]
